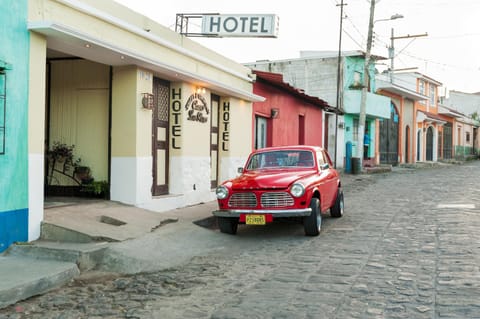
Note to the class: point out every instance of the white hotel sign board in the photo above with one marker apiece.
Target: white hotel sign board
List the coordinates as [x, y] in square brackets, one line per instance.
[240, 25]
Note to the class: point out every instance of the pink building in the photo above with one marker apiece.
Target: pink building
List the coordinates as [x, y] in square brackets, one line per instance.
[287, 116]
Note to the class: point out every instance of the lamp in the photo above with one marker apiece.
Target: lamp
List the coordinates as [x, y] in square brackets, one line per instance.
[200, 90]
[393, 17]
[274, 113]
[147, 101]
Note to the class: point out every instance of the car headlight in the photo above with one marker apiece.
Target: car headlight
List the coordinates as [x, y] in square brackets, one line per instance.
[297, 190]
[222, 192]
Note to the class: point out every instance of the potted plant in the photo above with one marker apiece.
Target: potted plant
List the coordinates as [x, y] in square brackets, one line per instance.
[100, 189]
[82, 172]
[61, 152]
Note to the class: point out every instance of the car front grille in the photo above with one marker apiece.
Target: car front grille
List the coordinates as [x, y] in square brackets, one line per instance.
[243, 200]
[280, 199]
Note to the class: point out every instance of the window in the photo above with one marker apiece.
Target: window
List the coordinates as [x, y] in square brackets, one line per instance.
[260, 132]
[3, 96]
[355, 130]
[432, 95]
[421, 89]
[467, 137]
[301, 130]
[281, 159]
[321, 159]
[357, 79]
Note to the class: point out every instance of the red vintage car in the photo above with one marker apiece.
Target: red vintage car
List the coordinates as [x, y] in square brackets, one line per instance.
[281, 182]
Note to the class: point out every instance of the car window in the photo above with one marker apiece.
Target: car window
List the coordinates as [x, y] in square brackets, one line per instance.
[327, 158]
[281, 159]
[320, 158]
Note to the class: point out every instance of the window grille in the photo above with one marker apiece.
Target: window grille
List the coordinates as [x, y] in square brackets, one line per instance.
[3, 111]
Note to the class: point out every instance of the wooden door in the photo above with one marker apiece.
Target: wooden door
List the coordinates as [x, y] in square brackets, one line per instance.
[214, 124]
[160, 125]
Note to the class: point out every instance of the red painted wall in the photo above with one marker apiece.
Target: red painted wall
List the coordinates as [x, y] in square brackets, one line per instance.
[284, 130]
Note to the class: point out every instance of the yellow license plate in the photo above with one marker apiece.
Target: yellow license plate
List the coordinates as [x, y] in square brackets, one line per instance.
[255, 220]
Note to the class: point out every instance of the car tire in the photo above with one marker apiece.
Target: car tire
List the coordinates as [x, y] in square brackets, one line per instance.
[336, 210]
[227, 225]
[313, 223]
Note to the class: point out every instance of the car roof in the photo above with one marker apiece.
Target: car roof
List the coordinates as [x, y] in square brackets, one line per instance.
[290, 147]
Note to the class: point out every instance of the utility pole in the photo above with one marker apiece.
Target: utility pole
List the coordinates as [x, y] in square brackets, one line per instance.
[391, 53]
[338, 78]
[391, 50]
[366, 81]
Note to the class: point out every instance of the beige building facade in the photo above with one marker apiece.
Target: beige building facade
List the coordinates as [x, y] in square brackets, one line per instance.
[156, 116]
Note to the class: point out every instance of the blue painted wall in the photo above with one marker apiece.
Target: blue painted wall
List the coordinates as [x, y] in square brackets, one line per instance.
[14, 58]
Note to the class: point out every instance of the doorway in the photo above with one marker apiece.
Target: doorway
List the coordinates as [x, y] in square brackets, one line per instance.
[407, 144]
[160, 125]
[389, 138]
[260, 132]
[214, 124]
[429, 146]
[77, 128]
[447, 141]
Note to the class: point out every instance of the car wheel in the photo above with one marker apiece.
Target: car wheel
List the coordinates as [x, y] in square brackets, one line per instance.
[313, 223]
[227, 225]
[336, 210]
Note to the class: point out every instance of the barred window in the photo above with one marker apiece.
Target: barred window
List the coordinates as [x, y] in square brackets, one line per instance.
[355, 129]
[3, 96]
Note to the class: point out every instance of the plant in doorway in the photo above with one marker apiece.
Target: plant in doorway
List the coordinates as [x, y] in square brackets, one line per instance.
[61, 152]
[99, 189]
[82, 172]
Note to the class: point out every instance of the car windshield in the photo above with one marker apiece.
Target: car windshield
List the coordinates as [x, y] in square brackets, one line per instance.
[281, 159]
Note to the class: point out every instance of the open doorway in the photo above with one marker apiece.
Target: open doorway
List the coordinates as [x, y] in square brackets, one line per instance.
[77, 128]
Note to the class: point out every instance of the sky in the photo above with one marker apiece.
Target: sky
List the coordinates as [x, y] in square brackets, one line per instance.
[450, 53]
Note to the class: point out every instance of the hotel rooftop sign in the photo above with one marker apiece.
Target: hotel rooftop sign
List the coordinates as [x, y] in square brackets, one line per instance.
[231, 25]
[241, 25]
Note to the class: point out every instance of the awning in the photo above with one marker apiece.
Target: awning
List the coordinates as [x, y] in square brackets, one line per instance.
[428, 117]
[399, 90]
[71, 41]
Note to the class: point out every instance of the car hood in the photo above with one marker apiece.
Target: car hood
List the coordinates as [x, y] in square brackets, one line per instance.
[268, 179]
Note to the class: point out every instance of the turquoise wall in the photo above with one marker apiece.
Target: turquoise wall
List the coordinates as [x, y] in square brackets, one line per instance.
[14, 58]
[357, 64]
[369, 123]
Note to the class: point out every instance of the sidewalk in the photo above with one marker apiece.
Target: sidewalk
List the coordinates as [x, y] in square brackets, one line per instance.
[30, 269]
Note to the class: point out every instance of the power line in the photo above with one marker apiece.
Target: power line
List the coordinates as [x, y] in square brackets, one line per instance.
[354, 40]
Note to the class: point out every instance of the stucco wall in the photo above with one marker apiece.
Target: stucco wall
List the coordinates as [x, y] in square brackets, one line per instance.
[14, 55]
[36, 133]
[235, 141]
[316, 76]
[285, 127]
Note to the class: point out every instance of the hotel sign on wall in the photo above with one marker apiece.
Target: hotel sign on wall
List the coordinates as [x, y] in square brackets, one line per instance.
[240, 25]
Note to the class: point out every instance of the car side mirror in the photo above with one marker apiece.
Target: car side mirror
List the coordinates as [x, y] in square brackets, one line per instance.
[324, 166]
[240, 170]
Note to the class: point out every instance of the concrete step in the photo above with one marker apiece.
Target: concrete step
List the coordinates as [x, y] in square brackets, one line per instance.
[378, 169]
[22, 278]
[85, 255]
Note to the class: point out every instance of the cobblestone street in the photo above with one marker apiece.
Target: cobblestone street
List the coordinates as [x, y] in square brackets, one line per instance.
[407, 247]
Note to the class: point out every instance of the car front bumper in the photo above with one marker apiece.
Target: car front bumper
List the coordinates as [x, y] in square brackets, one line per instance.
[275, 213]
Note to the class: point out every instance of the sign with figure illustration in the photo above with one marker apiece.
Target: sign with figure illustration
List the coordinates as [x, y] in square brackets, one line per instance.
[197, 108]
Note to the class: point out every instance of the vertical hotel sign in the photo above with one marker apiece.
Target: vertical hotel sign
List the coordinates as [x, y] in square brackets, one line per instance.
[240, 25]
